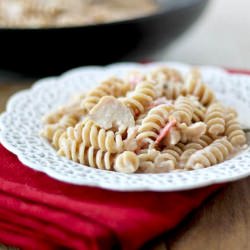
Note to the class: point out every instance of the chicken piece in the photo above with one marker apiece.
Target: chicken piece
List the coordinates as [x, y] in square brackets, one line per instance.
[184, 133]
[173, 137]
[110, 113]
[194, 131]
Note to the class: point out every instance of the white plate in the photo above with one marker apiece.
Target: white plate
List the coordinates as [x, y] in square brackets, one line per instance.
[21, 123]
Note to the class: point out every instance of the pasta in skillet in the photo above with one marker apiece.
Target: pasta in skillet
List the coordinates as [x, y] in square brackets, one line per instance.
[153, 122]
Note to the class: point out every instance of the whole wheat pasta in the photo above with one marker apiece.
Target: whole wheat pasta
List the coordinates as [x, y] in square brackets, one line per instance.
[233, 131]
[113, 86]
[213, 154]
[172, 90]
[141, 97]
[126, 162]
[184, 109]
[86, 155]
[152, 122]
[194, 86]
[165, 75]
[215, 119]
[194, 146]
[199, 110]
[98, 138]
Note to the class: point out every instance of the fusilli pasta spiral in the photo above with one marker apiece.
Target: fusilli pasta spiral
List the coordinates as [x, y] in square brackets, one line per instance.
[113, 86]
[57, 138]
[72, 109]
[172, 90]
[215, 119]
[160, 161]
[165, 74]
[184, 109]
[154, 121]
[94, 136]
[174, 152]
[142, 96]
[86, 155]
[233, 131]
[153, 161]
[192, 147]
[195, 87]
[213, 154]
[140, 118]
[199, 111]
[53, 132]
[126, 162]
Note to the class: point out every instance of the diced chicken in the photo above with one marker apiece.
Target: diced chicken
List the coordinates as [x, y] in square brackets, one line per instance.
[194, 131]
[173, 137]
[110, 113]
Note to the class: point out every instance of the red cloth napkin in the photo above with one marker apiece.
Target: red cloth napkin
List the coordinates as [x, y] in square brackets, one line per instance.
[37, 212]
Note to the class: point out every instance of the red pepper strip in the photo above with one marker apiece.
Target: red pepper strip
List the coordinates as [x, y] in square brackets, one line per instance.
[165, 131]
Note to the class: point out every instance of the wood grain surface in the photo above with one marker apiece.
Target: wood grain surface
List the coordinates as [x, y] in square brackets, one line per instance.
[221, 223]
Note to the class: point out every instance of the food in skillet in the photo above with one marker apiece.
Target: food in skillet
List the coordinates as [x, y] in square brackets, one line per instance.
[60, 13]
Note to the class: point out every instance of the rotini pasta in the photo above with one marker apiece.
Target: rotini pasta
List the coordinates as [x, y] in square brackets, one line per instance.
[139, 119]
[233, 131]
[153, 161]
[57, 138]
[215, 119]
[199, 111]
[72, 109]
[94, 136]
[146, 123]
[184, 109]
[140, 99]
[154, 121]
[192, 147]
[126, 162]
[174, 153]
[86, 155]
[195, 87]
[53, 132]
[172, 90]
[213, 154]
[169, 82]
[113, 86]
[164, 74]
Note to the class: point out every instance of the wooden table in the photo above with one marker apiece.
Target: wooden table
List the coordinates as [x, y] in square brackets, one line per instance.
[222, 223]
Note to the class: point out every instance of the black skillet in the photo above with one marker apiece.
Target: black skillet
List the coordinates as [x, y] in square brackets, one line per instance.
[54, 50]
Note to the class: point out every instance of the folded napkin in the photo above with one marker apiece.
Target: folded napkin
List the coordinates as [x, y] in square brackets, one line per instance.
[37, 212]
